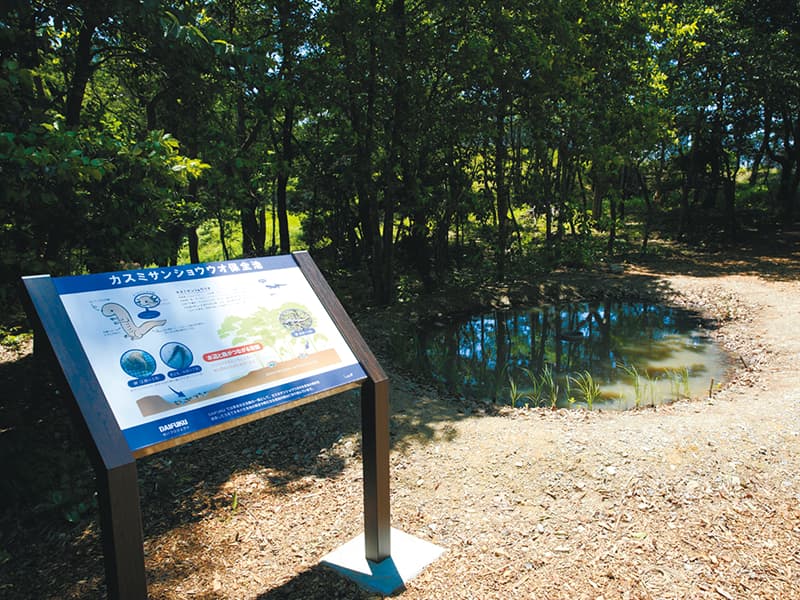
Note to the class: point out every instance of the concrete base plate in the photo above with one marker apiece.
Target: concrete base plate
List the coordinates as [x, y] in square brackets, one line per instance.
[409, 557]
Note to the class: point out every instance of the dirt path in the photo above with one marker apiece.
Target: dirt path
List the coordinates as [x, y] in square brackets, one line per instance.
[700, 499]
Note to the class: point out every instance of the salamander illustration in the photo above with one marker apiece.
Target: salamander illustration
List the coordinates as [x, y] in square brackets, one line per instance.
[120, 315]
[176, 356]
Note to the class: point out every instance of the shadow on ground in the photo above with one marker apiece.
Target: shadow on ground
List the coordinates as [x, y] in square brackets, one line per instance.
[317, 583]
[776, 258]
[50, 543]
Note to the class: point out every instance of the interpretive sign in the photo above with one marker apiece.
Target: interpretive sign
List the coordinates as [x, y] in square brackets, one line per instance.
[156, 357]
[182, 349]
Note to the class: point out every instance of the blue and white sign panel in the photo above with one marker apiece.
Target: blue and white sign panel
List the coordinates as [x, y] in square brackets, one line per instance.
[180, 349]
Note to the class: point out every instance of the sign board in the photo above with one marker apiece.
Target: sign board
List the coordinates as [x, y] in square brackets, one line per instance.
[181, 350]
[156, 357]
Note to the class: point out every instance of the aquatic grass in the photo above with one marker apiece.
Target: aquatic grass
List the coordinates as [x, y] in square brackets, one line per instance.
[587, 386]
[650, 387]
[514, 392]
[644, 385]
[537, 384]
[679, 383]
[634, 374]
[683, 373]
[568, 387]
[544, 388]
[550, 383]
[674, 385]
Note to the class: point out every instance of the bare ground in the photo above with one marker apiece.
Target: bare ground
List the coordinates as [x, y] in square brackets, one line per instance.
[700, 499]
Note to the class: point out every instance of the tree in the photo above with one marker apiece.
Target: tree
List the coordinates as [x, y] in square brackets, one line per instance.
[82, 193]
[770, 37]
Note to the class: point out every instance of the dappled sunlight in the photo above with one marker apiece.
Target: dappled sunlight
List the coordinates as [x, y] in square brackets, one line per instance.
[777, 258]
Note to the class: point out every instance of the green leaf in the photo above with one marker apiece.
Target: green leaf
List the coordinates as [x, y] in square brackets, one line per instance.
[197, 32]
[172, 18]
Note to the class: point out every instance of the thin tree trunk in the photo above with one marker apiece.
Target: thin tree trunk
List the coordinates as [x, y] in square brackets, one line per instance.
[81, 73]
[194, 245]
[648, 217]
[283, 179]
[500, 188]
[222, 236]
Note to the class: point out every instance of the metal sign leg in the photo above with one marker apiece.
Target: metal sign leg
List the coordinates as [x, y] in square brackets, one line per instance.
[123, 543]
[375, 452]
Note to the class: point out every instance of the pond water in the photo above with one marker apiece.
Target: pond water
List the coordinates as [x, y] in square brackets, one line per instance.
[609, 355]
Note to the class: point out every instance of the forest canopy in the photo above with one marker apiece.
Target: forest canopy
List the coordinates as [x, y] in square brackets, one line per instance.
[407, 137]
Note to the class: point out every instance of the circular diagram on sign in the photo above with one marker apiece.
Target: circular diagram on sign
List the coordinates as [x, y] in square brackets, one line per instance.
[148, 301]
[138, 363]
[176, 355]
[295, 319]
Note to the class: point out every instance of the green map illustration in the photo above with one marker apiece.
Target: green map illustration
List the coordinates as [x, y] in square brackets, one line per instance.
[285, 332]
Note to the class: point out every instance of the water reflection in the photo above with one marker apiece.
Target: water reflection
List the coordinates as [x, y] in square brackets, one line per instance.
[638, 353]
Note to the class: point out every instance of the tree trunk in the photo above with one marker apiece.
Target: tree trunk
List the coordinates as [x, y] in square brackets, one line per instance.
[729, 197]
[222, 236]
[82, 72]
[500, 187]
[283, 179]
[564, 189]
[648, 217]
[249, 224]
[398, 176]
[194, 245]
[612, 231]
[501, 113]
[686, 185]
[288, 50]
[763, 148]
[789, 161]
[787, 191]
[361, 110]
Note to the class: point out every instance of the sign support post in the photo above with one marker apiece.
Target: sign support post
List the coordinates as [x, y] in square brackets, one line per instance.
[375, 456]
[121, 528]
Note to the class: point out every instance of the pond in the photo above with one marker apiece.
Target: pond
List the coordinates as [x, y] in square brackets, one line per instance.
[610, 355]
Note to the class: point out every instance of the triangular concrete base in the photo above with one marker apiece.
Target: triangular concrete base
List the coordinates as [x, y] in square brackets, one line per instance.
[409, 557]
